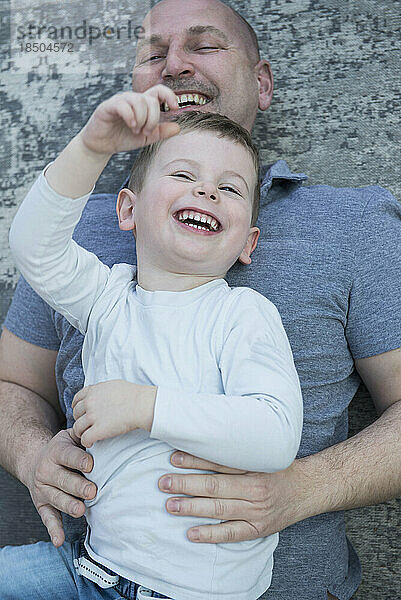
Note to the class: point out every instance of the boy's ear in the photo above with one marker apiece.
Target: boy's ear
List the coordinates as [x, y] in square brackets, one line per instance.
[252, 242]
[125, 208]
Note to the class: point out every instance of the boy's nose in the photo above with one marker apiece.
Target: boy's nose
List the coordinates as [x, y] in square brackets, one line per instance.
[206, 189]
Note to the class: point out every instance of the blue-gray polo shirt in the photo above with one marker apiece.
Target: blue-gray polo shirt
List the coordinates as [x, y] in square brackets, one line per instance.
[329, 259]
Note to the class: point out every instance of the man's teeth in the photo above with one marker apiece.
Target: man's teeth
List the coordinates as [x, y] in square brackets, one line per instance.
[183, 98]
[200, 217]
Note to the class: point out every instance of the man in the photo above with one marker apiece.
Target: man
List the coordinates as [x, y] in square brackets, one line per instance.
[322, 262]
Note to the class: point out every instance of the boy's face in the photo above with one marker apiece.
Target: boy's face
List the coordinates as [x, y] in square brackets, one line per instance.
[194, 175]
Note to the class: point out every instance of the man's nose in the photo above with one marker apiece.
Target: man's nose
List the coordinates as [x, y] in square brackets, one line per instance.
[207, 190]
[177, 64]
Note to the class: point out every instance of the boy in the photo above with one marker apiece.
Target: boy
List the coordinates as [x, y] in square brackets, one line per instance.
[173, 358]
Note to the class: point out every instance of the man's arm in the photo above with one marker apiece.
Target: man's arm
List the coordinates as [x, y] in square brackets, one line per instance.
[32, 447]
[360, 471]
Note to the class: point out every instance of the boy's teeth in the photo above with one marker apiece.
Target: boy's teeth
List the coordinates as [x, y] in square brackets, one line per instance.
[200, 217]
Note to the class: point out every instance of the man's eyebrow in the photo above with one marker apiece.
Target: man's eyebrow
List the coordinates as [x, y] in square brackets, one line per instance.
[199, 29]
[196, 164]
[153, 39]
[193, 31]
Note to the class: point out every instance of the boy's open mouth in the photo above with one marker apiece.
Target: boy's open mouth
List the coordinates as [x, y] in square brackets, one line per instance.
[187, 99]
[198, 221]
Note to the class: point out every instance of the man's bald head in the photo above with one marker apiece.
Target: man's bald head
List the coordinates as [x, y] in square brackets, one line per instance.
[248, 35]
[244, 29]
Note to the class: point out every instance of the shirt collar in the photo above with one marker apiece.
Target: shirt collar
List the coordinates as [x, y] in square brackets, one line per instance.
[279, 170]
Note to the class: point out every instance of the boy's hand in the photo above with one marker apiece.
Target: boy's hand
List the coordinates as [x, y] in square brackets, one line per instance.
[112, 408]
[128, 121]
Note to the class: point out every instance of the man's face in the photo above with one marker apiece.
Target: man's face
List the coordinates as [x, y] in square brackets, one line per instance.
[193, 214]
[196, 47]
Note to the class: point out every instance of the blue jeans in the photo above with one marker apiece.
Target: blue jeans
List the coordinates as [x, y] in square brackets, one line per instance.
[40, 571]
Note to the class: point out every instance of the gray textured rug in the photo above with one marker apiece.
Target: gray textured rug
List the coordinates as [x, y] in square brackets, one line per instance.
[335, 116]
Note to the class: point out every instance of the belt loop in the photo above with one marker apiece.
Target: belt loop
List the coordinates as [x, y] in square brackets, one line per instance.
[94, 573]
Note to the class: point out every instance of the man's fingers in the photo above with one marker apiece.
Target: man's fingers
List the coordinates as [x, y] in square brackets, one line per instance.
[87, 461]
[74, 484]
[69, 455]
[51, 519]
[188, 461]
[63, 502]
[223, 533]
[213, 508]
[241, 487]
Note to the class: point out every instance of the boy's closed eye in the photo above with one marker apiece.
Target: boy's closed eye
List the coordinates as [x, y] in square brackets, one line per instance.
[221, 187]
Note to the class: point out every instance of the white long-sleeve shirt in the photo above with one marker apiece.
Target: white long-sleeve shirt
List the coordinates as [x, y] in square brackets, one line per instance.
[227, 391]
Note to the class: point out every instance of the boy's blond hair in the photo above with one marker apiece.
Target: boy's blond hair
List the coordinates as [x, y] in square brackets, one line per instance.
[200, 121]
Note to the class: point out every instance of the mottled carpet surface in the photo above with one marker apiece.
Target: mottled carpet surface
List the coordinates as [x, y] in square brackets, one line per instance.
[335, 116]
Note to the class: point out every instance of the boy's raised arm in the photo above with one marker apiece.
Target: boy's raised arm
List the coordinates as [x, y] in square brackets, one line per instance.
[65, 275]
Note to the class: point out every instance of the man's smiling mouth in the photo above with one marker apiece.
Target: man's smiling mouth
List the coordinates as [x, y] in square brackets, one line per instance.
[187, 99]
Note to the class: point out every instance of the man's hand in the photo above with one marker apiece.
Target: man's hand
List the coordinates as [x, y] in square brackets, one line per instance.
[128, 121]
[55, 487]
[112, 408]
[252, 505]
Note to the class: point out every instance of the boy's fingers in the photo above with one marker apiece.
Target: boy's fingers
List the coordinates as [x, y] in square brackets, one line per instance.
[163, 94]
[153, 116]
[126, 110]
[88, 438]
[140, 109]
[79, 409]
[167, 130]
[80, 395]
[162, 132]
[81, 425]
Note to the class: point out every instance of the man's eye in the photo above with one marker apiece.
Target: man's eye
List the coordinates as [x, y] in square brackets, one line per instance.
[155, 57]
[208, 48]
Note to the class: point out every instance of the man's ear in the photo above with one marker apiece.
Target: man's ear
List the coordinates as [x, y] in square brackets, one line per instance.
[252, 242]
[125, 208]
[265, 83]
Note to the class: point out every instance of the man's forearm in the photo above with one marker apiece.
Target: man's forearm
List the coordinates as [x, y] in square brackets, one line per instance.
[27, 423]
[360, 471]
